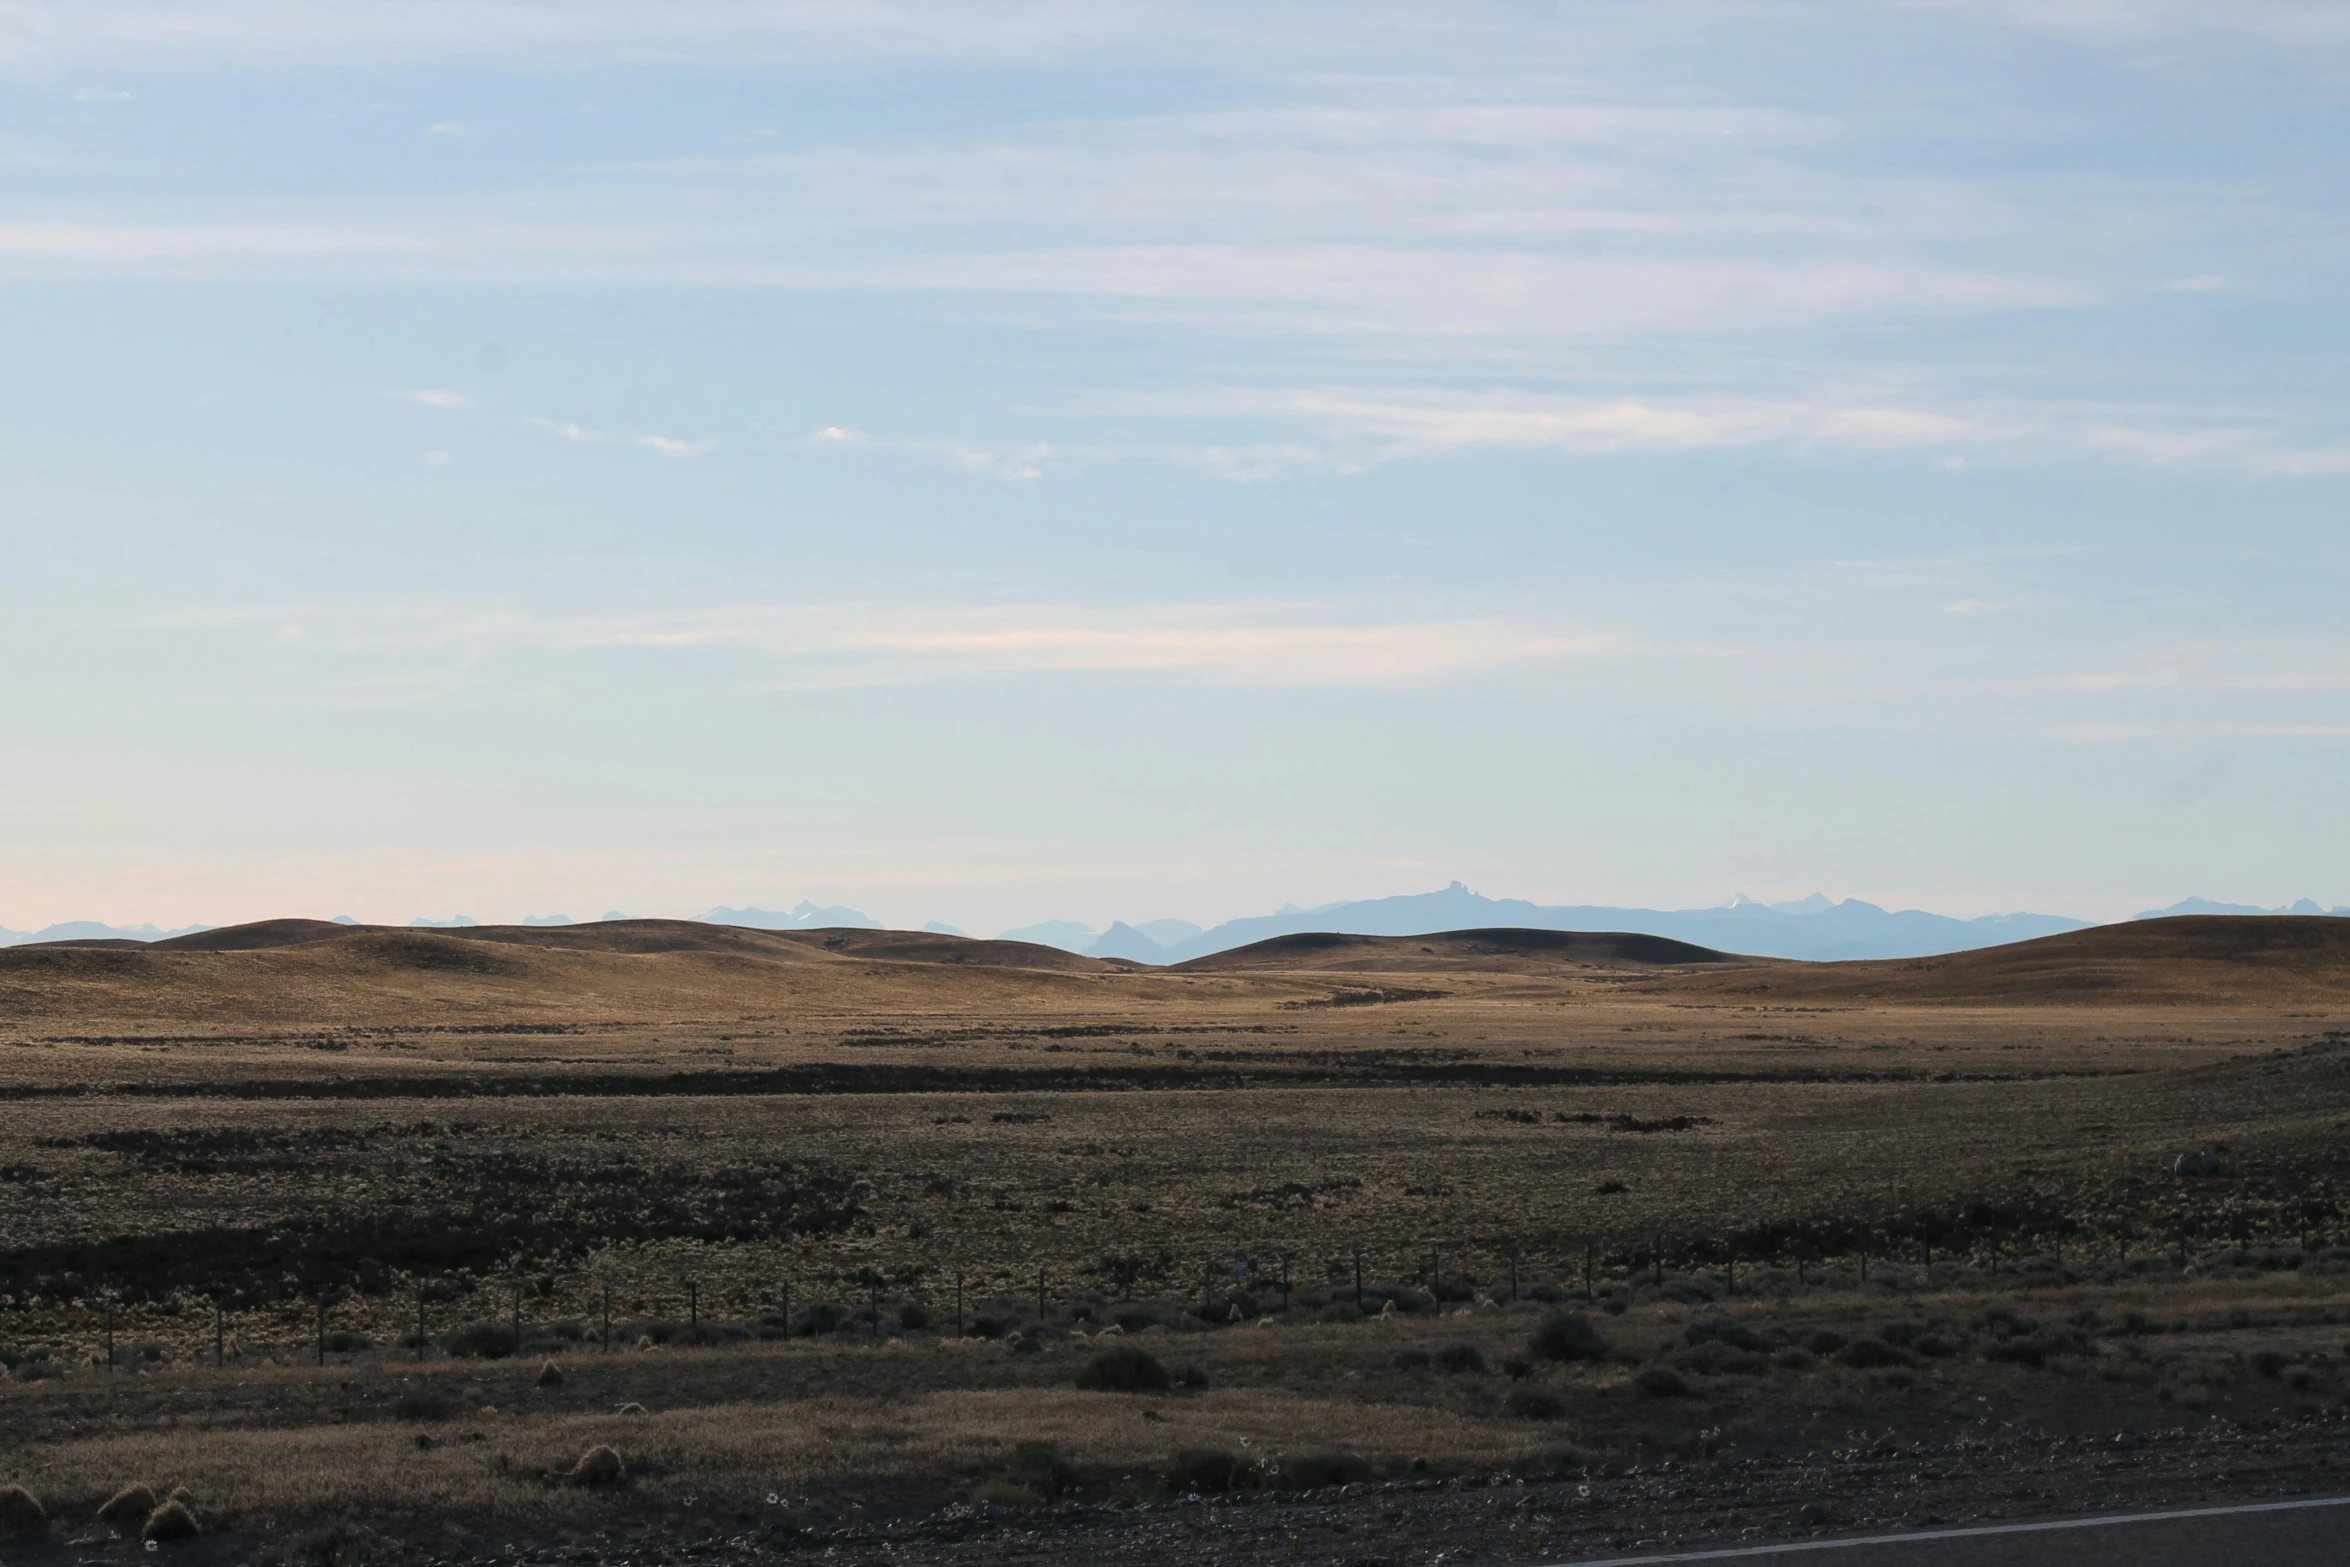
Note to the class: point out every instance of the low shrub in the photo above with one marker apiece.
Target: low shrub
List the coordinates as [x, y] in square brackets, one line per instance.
[1715, 1360]
[1558, 1458]
[171, 1521]
[550, 1374]
[1042, 1468]
[1320, 1471]
[1205, 1471]
[1724, 1330]
[1191, 1377]
[423, 1404]
[1869, 1353]
[343, 1342]
[820, 1317]
[598, 1467]
[1529, 1402]
[20, 1510]
[1460, 1358]
[912, 1319]
[1517, 1368]
[1410, 1358]
[1568, 1335]
[1124, 1368]
[1663, 1382]
[1823, 1341]
[2268, 1362]
[127, 1509]
[479, 1341]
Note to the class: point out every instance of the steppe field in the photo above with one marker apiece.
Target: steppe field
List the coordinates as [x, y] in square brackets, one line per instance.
[1512, 1243]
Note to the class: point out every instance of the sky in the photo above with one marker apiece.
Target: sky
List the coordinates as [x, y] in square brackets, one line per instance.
[991, 463]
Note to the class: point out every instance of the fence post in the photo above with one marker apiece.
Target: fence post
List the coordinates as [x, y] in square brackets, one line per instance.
[518, 1321]
[219, 1334]
[693, 1306]
[787, 1305]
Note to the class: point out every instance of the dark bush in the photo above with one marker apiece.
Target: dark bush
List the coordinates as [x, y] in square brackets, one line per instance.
[1529, 1402]
[1341, 1311]
[597, 1468]
[347, 1343]
[1568, 1335]
[20, 1509]
[820, 1317]
[423, 1404]
[1319, 1471]
[1191, 1377]
[1715, 1359]
[1663, 1382]
[1204, 1471]
[1460, 1357]
[1556, 1459]
[1517, 1368]
[127, 1509]
[1823, 1341]
[1723, 1330]
[912, 1319]
[1124, 1368]
[989, 1327]
[2268, 1362]
[1410, 1358]
[1042, 1468]
[1868, 1353]
[171, 1521]
[479, 1341]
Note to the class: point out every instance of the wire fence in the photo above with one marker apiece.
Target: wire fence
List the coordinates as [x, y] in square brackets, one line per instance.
[619, 1306]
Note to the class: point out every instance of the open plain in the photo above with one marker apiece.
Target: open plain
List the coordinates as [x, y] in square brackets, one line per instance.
[365, 1237]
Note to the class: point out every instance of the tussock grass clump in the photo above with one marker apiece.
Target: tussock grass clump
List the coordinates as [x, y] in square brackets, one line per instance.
[1319, 1471]
[1043, 1468]
[1869, 1353]
[1124, 1368]
[1205, 1471]
[550, 1374]
[423, 1404]
[1568, 1335]
[1529, 1402]
[127, 1508]
[597, 1468]
[172, 1521]
[1460, 1357]
[1663, 1382]
[20, 1510]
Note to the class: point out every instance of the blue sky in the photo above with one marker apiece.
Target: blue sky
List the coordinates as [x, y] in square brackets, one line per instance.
[995, 463]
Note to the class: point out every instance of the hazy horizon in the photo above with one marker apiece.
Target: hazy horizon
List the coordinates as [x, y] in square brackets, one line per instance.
[1099, 463]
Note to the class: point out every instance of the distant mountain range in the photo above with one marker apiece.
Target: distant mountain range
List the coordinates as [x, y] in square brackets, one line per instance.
[1817, 928]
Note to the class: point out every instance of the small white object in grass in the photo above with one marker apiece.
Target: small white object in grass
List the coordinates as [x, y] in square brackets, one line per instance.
[154, 1545]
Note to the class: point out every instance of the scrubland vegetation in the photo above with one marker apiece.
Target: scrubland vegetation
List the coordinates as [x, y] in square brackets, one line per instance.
[795, 1250]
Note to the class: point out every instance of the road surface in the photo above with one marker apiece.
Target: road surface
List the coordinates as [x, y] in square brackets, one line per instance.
[2308, 1533]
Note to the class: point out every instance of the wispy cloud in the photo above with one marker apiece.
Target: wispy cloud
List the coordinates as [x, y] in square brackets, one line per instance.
[667, 446]
[106, 242]
[832, 645]
[431, 398]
